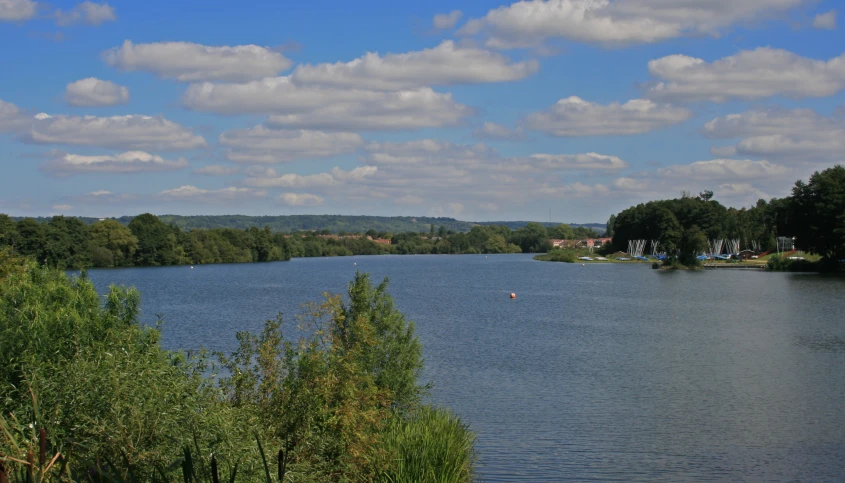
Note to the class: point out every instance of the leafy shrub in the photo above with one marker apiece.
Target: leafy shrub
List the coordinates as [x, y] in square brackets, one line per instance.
[84, 371]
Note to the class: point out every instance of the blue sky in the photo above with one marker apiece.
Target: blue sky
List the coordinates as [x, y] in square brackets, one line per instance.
[475, 110]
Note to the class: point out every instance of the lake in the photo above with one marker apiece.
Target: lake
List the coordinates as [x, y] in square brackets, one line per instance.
[608, 372]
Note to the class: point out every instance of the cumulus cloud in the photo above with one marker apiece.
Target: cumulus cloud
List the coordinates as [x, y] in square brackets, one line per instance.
[750, 74]
[260, 145]
[12, 118]
[426, 172]
[269, 179]
[825, 21]
[93, 92]
[741, 193]
[529, 23]
[797, 135]
[725, 170]
[326, 108]
[103, 197]
[86, 12]
[444, 21]
[217, 170]
[131, 132]
[574, 116]
[67, 164]
[588, 161]
[189, 62]
[17, 10]
[224, 195]
[300, 199]
[447, 63]
[491, 130]
[433, 170]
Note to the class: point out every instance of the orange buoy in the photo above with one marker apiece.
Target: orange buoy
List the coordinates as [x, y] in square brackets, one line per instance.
[513, 295]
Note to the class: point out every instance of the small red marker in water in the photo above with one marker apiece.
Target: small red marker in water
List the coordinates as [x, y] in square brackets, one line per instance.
[513, 295]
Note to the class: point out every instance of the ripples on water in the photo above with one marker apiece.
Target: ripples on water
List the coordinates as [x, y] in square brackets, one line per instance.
[593, 373]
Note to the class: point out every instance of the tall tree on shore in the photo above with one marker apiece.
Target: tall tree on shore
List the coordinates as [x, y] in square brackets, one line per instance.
[818, 213]
[156, 240]
[609, 227]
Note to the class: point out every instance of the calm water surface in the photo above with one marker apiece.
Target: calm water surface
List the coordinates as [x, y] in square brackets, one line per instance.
[596, 373]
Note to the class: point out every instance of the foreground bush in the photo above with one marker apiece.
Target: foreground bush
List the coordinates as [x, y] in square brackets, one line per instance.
[322, 408]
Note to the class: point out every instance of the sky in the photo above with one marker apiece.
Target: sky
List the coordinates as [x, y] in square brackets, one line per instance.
[569, 110]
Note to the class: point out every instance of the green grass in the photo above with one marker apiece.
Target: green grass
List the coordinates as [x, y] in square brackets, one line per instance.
[429, 445]
[568, 255]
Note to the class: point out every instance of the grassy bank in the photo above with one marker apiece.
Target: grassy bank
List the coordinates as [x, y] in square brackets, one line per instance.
[86, 392]
[567, 255]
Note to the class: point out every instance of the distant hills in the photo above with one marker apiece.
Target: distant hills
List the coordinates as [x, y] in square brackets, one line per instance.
[332, 223]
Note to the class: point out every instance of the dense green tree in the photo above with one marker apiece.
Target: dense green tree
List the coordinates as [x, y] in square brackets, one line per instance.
[818, 211]
[8, 231]
[156, 241]
[532, 238]
[67, 243]
[692, 243]
[561, 232]
[30, 239]
[611, 222]
[117, 239]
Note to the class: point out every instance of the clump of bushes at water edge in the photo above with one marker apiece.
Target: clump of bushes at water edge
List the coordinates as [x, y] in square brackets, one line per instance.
[341, 404]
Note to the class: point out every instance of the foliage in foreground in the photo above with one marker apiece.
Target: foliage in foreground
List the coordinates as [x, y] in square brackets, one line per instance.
[340, 404]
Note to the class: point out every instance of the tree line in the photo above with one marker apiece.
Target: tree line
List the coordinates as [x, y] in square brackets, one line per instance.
[814, 215]
[147, 240]
[67, 242]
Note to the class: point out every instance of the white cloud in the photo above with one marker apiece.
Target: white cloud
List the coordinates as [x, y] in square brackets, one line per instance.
[300, 199]
[269, 179]
[725, 170]
[92, 92]
[224, 195]
[103, 198]
[66, 164]
[447, 63]
[16, 10]
[444, 21]
[531, 22]
[260, 145]
[432, 173]
[574, 116]
[437, 170]
[12, 118]
[588, 161]
[217, 170]
[491, 130]
[750, 74]
[796, 135]
[328, 108]
[189, 62]
[741, 191]
[88, 12]
[826, 21]
[631, 184]
[62, 208]
[131, 132]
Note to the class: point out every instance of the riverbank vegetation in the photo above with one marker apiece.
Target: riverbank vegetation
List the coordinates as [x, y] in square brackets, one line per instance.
[148, 241]
[88, 394]
[811, 218]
